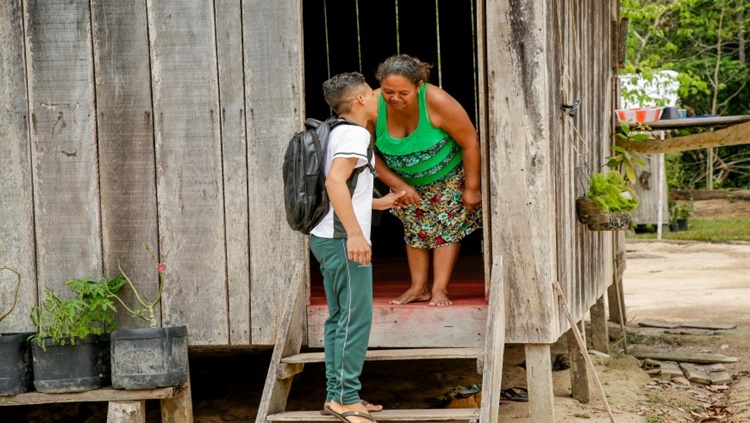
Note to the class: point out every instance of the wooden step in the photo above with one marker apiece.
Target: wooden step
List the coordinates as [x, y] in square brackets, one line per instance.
[398, 354]
[436, 415]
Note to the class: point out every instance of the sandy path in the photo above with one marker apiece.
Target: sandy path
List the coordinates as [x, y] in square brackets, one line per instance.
[688, 281]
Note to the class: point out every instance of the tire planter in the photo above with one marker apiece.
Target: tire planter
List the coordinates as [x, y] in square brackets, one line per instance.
[596, 219]
[149, 358]
[71, 368]
[16, 369]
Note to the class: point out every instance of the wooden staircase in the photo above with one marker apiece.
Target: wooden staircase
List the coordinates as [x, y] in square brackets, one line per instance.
[287, 361]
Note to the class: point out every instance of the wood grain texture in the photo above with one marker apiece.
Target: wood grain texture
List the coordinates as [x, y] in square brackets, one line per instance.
[63, 137]
[127, 176]
[234, 156]
[521, 186]
[126, 412]
[494, 347]
[539, 379]
[413, 327]
[16, 200]
[103, 394]
[272, 39]
[189, 167]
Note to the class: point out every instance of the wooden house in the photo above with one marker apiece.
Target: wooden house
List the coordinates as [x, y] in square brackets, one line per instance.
[135, 122]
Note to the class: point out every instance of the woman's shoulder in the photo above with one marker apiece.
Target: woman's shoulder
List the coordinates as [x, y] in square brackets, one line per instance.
[439, 104]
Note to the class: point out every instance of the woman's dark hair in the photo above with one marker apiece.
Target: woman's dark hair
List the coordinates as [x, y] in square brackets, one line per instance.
[407, 66]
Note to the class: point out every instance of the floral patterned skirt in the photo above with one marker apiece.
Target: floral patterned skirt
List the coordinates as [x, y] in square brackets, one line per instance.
[441, 219]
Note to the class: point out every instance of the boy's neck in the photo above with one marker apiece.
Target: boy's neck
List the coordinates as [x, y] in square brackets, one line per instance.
[355, 117]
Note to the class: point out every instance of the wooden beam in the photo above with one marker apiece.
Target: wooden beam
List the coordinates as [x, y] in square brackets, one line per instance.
[734, 135]
[539, 379]
[126, 412]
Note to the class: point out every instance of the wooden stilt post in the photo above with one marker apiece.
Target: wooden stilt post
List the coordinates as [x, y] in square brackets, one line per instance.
[126, 412]
[579, 375]
[539, 379]
[599, 329]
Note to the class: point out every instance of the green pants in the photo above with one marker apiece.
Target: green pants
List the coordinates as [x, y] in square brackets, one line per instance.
[348, 287]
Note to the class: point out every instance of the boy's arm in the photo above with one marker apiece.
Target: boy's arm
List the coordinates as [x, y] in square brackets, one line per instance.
[357, 247]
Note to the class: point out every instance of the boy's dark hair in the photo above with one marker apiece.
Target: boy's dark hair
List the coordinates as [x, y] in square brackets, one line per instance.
[407, 66]
[340, 89]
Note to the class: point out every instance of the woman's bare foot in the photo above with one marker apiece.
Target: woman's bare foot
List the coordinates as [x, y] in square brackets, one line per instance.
[412, 295]
[372, 408]
[357, 407]
[440, 299]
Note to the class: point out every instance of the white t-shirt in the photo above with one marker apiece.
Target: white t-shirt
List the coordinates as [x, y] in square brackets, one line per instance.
[346, 141]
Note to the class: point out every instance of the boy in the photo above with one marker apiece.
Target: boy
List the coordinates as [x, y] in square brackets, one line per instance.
[341, 243]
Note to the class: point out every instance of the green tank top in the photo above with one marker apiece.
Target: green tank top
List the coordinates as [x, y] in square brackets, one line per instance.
[426, 155]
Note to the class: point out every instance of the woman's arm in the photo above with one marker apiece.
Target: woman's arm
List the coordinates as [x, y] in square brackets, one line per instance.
[448, 114]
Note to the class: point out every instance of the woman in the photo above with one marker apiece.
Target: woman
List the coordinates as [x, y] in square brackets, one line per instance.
[431, 151]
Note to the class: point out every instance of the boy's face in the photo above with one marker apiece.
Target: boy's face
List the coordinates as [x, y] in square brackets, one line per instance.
[370, 102]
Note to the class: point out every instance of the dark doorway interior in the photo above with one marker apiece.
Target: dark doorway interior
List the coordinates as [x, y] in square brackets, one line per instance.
[357, 35]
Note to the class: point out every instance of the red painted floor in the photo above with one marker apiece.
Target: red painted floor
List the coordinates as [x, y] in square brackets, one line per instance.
[391, 278]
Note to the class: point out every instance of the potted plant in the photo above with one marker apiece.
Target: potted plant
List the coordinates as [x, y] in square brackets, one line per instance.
[16, 371]
[609, 197]
[148, 358]
[681, 212]
[74, 331]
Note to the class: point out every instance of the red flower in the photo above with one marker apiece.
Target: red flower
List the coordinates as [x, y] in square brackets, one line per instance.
[440, 240]
[422, 235]
[161, 267]
[435, 199]
[418, 212]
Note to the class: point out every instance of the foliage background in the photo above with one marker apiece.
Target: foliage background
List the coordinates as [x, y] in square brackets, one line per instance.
[705, 41]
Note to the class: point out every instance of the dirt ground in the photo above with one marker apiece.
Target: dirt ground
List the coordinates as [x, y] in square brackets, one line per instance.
[677, 282]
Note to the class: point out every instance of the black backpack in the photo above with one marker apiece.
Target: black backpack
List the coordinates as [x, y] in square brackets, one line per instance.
[305, 197]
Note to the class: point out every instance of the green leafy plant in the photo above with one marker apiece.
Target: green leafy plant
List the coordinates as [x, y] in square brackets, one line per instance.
[625, 158]
[682, 210]
[146, 308]
[611, 193]
[4, 314]
[90, 311]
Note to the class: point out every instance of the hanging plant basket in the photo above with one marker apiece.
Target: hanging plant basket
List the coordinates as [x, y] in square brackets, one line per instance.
[597, 219]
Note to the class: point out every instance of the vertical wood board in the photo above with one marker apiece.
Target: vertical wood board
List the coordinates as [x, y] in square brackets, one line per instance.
[189, 167]
[16, 200]
[520, 168]
[272, 40]
[63, 137]
[234, 155]
[126, 146]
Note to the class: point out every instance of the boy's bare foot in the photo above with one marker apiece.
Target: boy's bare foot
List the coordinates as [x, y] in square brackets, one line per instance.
[354, 413]
[411, 296]
[440, 299]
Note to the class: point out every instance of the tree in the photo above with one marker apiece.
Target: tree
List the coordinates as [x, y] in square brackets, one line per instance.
[704, 40]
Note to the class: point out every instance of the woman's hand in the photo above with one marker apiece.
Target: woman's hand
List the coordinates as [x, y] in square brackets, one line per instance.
[472, 198]
[409, 198]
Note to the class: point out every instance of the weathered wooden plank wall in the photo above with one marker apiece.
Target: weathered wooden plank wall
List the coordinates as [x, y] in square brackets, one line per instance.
[161, 122]
[16, 200]
[63, 141]
[274, 103]
[126, 144]
[234, 155]
[549, 54]
[190, 190]
[523, 224]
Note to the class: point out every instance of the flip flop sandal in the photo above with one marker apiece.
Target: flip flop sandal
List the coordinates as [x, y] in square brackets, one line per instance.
[343, 416]
[364, 402]
[515, 393]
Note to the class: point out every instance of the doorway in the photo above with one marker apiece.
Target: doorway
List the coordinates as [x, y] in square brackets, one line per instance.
[357, 35]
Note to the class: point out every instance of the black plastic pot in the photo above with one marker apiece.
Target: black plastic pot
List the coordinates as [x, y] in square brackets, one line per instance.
[683, 224]
[674, 227]
[16, 369]
[149, 358]
[71, 368]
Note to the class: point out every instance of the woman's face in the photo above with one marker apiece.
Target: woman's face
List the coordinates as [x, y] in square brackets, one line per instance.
[398, 91]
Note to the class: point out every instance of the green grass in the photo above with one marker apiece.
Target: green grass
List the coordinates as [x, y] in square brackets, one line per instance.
[704, 230]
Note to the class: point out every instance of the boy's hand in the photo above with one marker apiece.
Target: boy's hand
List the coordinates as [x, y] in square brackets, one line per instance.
[358, 249]
[410, 197]
[387, 202]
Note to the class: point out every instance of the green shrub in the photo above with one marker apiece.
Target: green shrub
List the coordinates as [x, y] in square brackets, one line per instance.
[611, 193]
